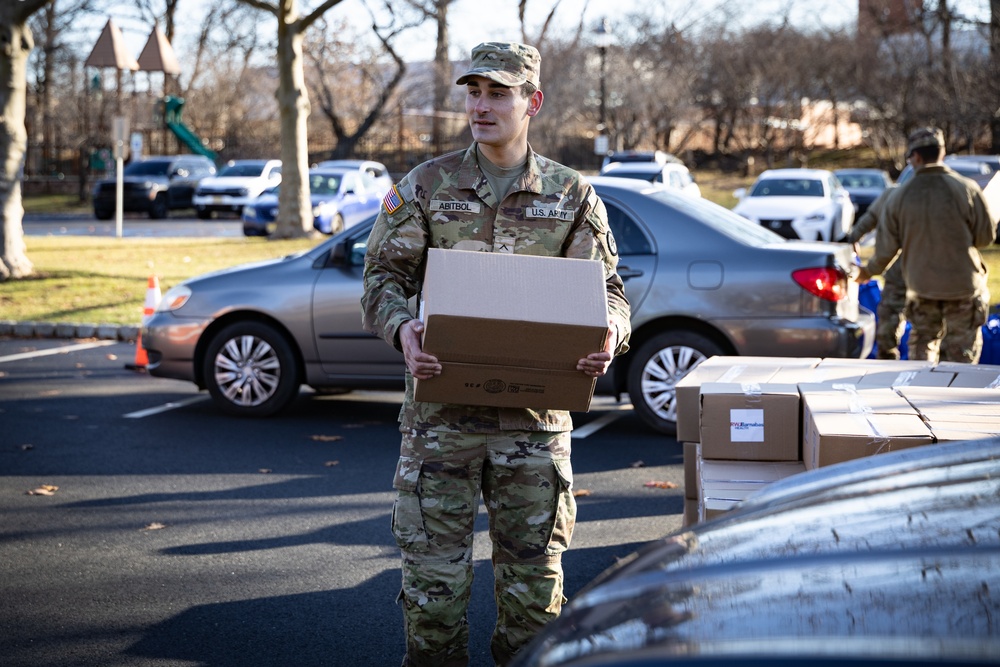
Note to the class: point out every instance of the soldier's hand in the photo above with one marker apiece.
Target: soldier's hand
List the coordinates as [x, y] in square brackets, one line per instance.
[862, 276]
[421, 365]
[596, 364]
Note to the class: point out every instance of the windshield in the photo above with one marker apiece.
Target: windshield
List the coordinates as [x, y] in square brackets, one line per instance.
[719, 218]
[324, 184]
[243, 169]
[147, 168]
[861, 180]
[787, 187]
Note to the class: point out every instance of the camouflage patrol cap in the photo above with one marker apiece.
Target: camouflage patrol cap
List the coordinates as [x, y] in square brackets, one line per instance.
[507, 63]
[923, 138]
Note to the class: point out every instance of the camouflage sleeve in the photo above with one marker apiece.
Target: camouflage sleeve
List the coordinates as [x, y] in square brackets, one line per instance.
[393, 264]
[592, 239]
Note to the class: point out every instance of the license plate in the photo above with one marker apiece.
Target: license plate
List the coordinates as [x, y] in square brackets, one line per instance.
[218, 200]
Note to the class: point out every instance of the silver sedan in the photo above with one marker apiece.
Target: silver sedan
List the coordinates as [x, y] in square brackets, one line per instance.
[702, 281]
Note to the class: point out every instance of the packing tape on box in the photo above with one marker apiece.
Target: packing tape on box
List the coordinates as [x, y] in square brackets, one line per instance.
[732, 373]
[752, 391]
[995, 384]
[904, 379]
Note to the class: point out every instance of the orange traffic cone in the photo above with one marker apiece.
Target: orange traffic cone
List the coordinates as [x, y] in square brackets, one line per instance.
[152, 301]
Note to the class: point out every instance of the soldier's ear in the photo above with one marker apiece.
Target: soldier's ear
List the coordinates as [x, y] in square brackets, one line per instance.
[535, 103]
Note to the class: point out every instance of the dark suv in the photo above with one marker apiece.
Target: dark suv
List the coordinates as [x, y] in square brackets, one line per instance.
[154, 185]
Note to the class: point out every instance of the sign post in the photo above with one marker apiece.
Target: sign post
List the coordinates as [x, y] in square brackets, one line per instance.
[120, 133]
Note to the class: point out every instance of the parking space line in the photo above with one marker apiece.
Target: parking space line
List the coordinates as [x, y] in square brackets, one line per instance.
[166, 407]
[592, 427]
[57, 350]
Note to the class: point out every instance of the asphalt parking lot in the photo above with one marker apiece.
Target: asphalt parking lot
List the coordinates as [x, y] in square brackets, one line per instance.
[142, 527]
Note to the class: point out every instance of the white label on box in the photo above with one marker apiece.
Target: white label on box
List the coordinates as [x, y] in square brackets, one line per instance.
[746, 425]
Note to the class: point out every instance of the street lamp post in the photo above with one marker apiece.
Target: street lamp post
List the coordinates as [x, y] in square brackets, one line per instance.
[603, 38]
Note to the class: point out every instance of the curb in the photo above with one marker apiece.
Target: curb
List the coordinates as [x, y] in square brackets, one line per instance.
[117, 332]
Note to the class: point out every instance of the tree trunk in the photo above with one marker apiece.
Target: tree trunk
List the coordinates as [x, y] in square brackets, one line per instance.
[15, 45]
[295, 210]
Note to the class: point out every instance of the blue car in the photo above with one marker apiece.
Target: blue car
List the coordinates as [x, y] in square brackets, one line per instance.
[341, 198]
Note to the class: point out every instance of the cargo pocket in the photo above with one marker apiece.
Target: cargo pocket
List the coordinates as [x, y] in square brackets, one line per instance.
[564, 519]
[407, 517]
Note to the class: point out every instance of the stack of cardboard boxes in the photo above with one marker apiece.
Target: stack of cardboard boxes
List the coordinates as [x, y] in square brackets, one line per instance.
[748, 421]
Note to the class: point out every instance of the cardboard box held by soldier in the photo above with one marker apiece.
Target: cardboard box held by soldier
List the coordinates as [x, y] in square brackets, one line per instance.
[509, 329]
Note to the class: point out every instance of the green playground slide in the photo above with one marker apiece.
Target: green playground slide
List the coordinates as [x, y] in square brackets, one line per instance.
[172, 109]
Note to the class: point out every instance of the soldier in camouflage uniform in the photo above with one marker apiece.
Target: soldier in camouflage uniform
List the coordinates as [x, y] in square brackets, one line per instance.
[933, 225]
[496, 196]
[892, 301]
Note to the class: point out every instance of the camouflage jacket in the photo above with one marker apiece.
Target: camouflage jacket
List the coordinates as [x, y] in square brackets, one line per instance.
[448, 203]
[934, 225]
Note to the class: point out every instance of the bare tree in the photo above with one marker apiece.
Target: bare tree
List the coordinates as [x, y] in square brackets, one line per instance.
[437, 11]
[346, 64]
[15, 46]
[294, 208]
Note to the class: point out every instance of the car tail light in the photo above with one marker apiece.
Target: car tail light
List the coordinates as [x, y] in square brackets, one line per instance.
[829, 284]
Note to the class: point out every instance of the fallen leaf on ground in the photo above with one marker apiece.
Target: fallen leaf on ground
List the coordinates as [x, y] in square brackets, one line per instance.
[327, 438]
[661, 485]
[330, 464]
[265, 471]
[27, 447]
[638, 464]
[581, 492]
[156, 525]
[43, 490]
[112, 357]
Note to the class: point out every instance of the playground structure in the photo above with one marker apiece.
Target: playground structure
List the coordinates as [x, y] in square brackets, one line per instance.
[157, 55]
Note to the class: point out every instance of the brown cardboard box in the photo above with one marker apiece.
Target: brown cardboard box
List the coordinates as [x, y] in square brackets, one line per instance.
[750, 422]
[725, 484]
[516, 346]
[928, 400]
[974, 378]
[691, 455]
[831, 437]
[724, 369]
[748, 471]
[915, 378]
[873, 399]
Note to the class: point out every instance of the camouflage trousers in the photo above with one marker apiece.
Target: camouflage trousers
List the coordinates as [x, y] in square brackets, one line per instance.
[525, 479]
[891, 305]
[946, 330]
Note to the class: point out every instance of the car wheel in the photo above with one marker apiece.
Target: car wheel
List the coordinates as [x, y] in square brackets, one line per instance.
[204, 214]
[250, 370]
[159, 209]
[102, 213]
[657, 367]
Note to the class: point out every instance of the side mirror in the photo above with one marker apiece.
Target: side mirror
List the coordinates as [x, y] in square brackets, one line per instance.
[740, 193]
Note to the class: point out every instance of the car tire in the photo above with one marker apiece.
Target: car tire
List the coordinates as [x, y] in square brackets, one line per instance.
[102, 213]
[250, 370]
[656, 368]
[203, 214]
[159, 209]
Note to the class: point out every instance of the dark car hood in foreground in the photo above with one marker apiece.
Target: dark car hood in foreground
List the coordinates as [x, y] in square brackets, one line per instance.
[890, 557]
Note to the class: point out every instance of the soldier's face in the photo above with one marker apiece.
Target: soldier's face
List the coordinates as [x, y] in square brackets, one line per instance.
[499, 115]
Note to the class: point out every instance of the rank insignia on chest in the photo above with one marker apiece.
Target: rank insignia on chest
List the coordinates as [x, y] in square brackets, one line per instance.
[549, 213]
[392, 201]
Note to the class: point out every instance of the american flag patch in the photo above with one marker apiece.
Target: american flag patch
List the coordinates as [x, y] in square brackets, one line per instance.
[392, 201]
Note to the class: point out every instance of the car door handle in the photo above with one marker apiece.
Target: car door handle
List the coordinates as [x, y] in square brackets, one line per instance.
[627, 273]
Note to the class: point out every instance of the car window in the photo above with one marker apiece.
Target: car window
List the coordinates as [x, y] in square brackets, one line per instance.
[324, 184]
[719, 218]
[628, 235]
[787, 187]
[147, 168]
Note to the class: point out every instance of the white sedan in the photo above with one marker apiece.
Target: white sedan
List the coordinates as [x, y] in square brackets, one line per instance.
[808, 204]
